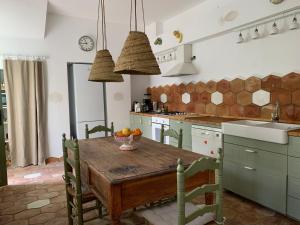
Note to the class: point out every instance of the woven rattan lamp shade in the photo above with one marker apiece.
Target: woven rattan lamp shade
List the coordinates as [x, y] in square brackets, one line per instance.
[103, 67]
[137, 57]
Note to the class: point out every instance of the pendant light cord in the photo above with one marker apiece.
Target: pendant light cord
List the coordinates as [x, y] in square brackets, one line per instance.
[143, 14]
[104, 40]
[135, 15]
[130, 15]
[97, 26]
[103, 25]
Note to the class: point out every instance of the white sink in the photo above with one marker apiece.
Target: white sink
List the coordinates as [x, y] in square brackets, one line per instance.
[264, 131]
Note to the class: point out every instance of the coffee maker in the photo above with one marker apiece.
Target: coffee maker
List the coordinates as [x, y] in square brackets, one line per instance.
[147, 104]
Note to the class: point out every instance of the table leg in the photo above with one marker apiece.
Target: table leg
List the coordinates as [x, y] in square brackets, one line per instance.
[209, 197]
[116, 221]
[115, 206]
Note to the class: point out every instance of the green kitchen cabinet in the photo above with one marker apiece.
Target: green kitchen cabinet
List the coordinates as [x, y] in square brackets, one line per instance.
[143, 123]
[293, 199]
[294, 147]
[147, 126]
[256, 170]
[186, 131]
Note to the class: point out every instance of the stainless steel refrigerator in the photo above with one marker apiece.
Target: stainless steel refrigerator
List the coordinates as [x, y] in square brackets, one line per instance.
[87, 101]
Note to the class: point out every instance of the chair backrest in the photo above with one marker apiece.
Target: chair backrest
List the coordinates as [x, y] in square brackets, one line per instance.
[171, 133]
[99, 128]
[203, 164]
[72, 175]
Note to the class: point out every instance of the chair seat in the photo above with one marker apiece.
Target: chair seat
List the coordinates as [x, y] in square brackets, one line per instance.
[87, 195]
[167, 214]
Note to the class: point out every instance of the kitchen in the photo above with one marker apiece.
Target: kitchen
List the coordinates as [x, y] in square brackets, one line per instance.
[221, 87]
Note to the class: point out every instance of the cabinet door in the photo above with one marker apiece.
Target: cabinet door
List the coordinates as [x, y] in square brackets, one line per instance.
[232, 176]
[293, 208]
[132, 121]
[257, 175]
[269, 189]
[294, 147]
[147, 127]
[186, 131]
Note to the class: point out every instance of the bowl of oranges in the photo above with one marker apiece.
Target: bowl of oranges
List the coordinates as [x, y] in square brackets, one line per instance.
[128, 137]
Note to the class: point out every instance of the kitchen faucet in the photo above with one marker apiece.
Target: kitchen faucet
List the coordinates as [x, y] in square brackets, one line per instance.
[276, 112]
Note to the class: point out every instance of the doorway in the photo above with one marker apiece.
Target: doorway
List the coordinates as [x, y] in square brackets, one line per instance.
[4, 149]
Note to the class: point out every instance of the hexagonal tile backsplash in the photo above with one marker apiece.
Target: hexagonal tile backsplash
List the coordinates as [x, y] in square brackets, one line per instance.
[261, 98]
[252, 97]
[217, 98]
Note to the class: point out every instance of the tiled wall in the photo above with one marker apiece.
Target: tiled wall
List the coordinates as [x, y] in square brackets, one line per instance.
[253, 97]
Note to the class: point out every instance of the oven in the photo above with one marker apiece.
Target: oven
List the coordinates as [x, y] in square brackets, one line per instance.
[156, 127]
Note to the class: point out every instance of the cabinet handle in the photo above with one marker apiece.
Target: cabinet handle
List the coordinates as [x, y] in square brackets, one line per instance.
[140, 121]
[248, 168]
[250, 151]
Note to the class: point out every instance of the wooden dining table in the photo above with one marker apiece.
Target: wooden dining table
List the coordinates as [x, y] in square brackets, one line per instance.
[123, 180]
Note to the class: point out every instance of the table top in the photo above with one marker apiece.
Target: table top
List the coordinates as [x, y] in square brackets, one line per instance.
[149, 159]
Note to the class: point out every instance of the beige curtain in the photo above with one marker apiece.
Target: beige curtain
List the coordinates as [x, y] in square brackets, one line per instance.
[26, 111]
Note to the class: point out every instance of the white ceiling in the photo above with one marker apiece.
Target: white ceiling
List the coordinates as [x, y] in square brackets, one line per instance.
[118, 10]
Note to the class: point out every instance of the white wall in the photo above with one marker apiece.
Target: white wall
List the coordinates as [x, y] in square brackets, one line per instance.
[220, 57]
[60, 45]
[25, 18]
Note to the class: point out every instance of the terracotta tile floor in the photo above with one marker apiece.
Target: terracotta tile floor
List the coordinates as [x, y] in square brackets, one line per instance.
[36, 196]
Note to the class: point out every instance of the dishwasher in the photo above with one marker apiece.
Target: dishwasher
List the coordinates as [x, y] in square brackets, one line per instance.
[206, 140]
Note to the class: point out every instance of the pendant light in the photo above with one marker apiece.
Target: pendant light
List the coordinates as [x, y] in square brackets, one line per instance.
[103, 66]
[137, 57]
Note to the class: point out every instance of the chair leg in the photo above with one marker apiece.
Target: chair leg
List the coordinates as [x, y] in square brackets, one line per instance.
[69, 208]
[99, 206]
[79, 211]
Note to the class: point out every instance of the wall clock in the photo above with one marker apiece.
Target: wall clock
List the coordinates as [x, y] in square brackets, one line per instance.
[86, 43]
[276, 1]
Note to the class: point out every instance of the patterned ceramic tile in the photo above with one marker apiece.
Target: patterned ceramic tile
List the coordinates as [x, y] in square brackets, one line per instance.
[211, 109]
[287, 112]
[190, 88]
[186, 98]
[236, 94]
[252, 111]
[200, 87]
[237, 110]
[237, 85]
[229, 98]
[200, 108]
[291, 81]
[244, 98]
[217, 98]
[266, 111]
[223, 86]
[164, 98]
[223, 110]
[181, 88]
[284, 97]
[271, 82]
[252, 84]
[204, 97]
[211, 86]
[296, 97]
[261, 98]
[190, 107]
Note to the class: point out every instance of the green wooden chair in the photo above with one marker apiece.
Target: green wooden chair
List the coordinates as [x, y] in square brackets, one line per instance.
[77, 193]
[99, 128]
[171, 133]
[188, 213]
